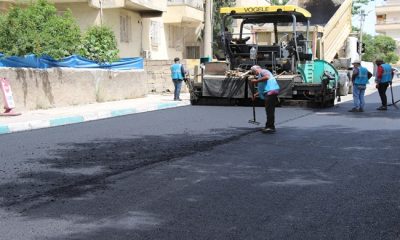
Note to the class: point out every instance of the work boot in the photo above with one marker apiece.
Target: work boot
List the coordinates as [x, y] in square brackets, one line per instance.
[353, 110]
[268, 130]
[382, 108]
[360, 110]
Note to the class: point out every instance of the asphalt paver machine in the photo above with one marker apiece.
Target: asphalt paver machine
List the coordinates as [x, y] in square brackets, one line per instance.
[288, 56]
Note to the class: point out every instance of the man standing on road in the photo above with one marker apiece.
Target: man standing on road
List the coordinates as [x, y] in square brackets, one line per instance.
[360, 79]
[383, 79]
[268, 90]
[177, 74]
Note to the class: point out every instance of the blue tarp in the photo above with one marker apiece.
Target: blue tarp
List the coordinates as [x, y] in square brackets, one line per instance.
[74, 61]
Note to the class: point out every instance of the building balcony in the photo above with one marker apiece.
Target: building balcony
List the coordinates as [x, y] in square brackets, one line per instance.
[387, 25]
[145, 7]
[186, 12]
[198, 4]
[387, 8]
[148, 5]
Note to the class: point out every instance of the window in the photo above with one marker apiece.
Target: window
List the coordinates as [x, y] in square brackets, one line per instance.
[192, 52]
[125, 29]
[155, 33]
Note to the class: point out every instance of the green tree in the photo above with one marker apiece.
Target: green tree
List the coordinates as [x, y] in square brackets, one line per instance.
[217, 23]
[99, 44]
[382, 47]
[38, 29]
[357, 5]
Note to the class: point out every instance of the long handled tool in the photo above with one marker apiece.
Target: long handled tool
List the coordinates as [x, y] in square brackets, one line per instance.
[393, 102]
[253, 121]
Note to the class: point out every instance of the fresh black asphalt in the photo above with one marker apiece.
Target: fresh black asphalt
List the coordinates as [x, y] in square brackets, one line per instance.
[202, 172]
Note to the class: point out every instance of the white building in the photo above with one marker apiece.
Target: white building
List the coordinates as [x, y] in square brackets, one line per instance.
[154, 29]
[388, 20]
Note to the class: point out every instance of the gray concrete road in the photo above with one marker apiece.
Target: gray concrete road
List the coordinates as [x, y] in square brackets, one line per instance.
[204, 173]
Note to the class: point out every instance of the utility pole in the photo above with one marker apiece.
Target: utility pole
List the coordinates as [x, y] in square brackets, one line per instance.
[101, 12]
[207, 41]
[362, 18]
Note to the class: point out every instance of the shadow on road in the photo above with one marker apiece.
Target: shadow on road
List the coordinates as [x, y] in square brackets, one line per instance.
[79, 168]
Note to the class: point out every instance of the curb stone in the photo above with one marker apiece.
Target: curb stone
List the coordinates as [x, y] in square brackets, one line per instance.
[72, 119]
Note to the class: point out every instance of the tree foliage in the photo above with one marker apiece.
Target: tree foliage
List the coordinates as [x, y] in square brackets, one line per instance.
[380, 47]
[357, 5]
[99, 44]
[217, 23]
[37, 29]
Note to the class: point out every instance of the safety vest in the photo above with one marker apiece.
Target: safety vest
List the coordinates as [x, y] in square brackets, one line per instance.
[387, 73]
[362, 77]
[176, 71]
[270, 85]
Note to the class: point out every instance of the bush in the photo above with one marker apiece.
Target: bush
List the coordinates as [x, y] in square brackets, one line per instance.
[380, 47]
[99, 44]
[38, 30]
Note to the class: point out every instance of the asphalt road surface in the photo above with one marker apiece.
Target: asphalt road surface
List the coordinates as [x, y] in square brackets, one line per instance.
[202, 172]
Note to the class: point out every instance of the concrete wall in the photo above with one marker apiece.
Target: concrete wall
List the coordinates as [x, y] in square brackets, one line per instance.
[159, 75]
[57, 87]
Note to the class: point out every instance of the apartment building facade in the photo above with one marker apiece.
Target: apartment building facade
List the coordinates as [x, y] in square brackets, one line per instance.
[388, 20]
[154, 29]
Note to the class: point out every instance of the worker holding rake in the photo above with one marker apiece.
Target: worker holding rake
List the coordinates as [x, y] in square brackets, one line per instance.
[268, 90]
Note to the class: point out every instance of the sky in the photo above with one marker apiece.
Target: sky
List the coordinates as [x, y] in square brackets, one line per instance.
[370, 19]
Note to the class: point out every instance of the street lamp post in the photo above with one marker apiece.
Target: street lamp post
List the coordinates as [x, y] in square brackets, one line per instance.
[207, 42]
[362, 18]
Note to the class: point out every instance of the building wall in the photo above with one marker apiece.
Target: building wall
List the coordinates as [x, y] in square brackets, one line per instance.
[181, 24]
[154, 38]
[132, 47]
[389, 2]
[59, 87]
[394, 34]
[84, 15]
[87, 16]
[175, 40]
[145, 33]
[388, 21]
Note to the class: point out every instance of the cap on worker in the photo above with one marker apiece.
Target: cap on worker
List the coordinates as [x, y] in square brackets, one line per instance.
[176, 59]
[378, 60]
[254, 68]
[356, 62]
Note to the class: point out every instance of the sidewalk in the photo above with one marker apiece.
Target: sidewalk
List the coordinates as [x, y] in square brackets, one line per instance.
[75, 114]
